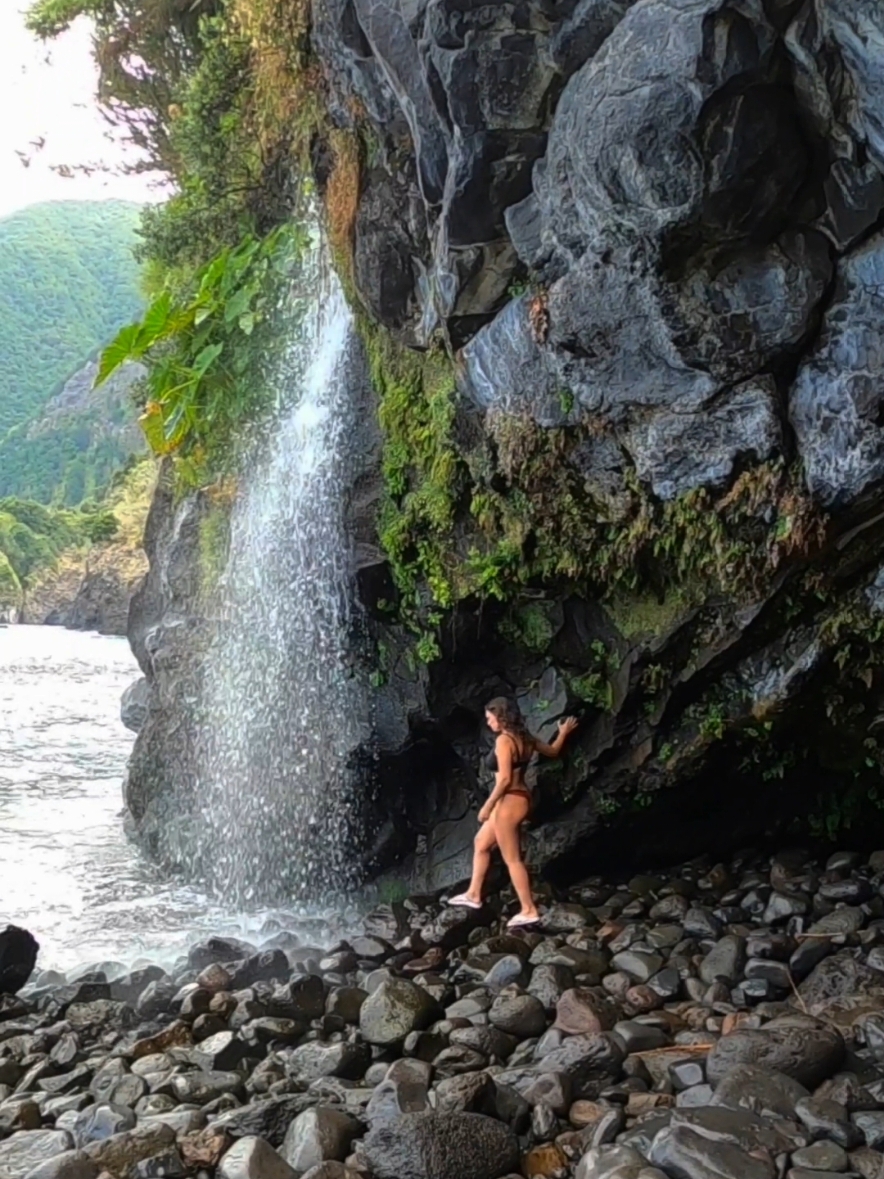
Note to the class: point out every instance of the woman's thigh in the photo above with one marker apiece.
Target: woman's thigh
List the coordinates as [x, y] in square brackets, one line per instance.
[509, 815]
[486, 837]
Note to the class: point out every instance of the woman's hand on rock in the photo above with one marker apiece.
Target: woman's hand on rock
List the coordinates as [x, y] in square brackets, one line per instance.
[567, 725]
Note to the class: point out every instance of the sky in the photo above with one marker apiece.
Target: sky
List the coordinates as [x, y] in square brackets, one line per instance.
[47, 92]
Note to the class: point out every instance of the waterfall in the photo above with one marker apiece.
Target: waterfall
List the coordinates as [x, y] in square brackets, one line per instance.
[284, 709]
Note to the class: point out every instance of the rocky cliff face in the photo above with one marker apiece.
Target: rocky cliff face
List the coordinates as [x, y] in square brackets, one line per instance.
[651, 236]
[81, 596]
[168, 630]
[653, 232]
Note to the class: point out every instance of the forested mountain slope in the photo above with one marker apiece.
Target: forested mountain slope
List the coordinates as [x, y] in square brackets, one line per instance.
[72, 446]
[68, 281]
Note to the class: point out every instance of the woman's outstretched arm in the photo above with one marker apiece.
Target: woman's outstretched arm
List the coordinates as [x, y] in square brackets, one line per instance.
[566, 726]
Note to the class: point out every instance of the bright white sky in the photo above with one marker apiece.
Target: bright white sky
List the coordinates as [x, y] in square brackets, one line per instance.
[48, 91]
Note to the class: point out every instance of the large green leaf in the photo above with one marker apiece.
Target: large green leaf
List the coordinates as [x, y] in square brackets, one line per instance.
[158, 321]
[207, 358]
[239, 303]
[123, 348]
[213, 273]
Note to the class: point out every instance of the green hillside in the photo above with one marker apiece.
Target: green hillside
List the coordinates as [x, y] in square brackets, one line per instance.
[72, 447]
[68, 282]
[44, 549]
[33, 537]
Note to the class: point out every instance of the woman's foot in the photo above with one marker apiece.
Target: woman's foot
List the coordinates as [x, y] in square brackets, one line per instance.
[465, 900]
[521, 919]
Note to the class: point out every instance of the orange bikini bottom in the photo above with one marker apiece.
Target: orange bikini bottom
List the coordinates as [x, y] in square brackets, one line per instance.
[519, 793]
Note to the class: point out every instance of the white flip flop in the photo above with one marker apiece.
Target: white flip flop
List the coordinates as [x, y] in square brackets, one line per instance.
[519, 921]
[463, 900]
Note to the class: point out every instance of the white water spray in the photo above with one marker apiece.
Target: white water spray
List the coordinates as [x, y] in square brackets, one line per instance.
[285, 710]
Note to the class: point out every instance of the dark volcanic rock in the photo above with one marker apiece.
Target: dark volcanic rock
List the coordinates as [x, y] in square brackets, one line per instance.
[837, 978]
[591, 1061]
[726, 1084]
[394, 1009]
[761, 1090]
[134, 704]
[441, 1146]
[681, 1150]
[268, 1119]
[101, 603]
[834, 406]
[800, 1047]
[650, 234]
[18, 955]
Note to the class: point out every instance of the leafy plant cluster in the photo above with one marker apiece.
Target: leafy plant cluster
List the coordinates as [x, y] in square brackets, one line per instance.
[423, 473]
[595, 684]
[210, 352]
[221, 96]
[74, 445]
[224, 98]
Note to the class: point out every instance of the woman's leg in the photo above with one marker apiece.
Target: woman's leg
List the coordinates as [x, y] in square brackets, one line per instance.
[483, 846]
[509, 815]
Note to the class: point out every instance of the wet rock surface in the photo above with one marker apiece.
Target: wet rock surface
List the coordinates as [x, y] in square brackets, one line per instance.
[18, 955]
[650, 234]
[375, 1059]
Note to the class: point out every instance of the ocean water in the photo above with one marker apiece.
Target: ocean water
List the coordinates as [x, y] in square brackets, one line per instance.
[67, 871]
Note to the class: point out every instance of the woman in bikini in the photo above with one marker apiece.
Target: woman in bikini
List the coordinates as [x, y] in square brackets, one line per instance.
[509, 804]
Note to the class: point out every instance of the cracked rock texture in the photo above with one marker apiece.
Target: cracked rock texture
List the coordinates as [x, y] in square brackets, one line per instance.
[652, 234]
[690, 193]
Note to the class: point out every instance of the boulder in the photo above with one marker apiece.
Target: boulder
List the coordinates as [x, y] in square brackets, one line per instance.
[518, 1015]
[253, 1158]
[396, 1008]
[590, 1061]
[441, 1146]
[72, 1164]
[25, 1150]
[760, 1090]
[318, 1135]
[800, 1047]
[268, 1119]
[833, 406]
[18, 956]
[134, 704]
[123, 1151]
[615, 1162]
[681, 1150]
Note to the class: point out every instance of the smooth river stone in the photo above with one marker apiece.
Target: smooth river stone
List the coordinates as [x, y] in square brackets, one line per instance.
[27, 1149]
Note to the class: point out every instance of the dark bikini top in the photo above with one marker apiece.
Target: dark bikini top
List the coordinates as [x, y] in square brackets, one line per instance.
[491, 762]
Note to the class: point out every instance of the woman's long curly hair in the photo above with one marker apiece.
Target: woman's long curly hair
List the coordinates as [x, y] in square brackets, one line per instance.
[510, 716]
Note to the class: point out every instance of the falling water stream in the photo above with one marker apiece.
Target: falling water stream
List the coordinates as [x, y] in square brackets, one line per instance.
[285, 711]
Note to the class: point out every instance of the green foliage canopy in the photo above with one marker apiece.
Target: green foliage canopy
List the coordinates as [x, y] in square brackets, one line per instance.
[221, 96]
[71, 448]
